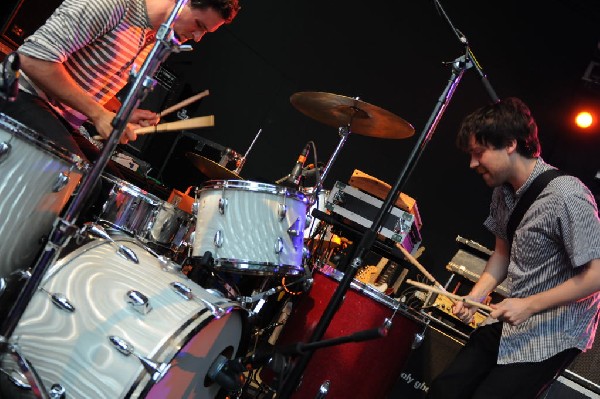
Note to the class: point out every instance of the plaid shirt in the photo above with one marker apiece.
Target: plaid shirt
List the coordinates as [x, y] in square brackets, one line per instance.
[559, 233]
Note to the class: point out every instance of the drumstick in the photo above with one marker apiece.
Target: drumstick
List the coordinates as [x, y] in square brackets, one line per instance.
[415, 262]
[449, 295]
[192, 123]
[183, 103]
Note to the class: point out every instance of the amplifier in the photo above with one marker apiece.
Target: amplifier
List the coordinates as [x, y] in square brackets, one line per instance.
[470, 267]
[362, 208]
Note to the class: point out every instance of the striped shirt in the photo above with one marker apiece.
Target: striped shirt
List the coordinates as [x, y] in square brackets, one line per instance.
[559, 233]
[97, 41]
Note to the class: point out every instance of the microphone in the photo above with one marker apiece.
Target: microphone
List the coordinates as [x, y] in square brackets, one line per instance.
[310, 170]
[296, 174]
[10, 77]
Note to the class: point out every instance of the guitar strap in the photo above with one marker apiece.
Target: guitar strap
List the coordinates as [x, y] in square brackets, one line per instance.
[529, 196]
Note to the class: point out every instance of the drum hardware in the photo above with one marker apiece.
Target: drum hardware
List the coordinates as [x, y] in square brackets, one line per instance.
[186, 292]
[26, 377]
[97, 230]
[323, 390]
[155, 369]
[419, 338]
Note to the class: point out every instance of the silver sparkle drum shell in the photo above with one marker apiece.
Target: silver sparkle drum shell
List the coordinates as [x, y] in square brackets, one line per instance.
[250, 227]
[135, 211]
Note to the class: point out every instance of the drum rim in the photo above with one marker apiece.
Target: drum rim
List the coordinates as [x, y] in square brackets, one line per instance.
[39, 141]
[131, 188]
[252, 186]
[174, 344]
[255, 268]
[372, 293]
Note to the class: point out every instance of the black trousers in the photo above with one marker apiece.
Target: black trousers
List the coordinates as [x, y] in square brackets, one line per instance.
[475, 374]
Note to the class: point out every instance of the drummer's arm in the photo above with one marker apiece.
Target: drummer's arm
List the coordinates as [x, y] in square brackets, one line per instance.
[53, 79]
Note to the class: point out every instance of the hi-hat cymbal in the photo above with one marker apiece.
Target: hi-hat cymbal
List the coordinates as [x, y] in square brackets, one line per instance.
[361, 117]
[211, 169]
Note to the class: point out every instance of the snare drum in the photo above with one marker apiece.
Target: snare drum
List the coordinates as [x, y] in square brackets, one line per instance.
[358, 370]
[124, 312]
[38, 179]
[250, 227]
[141, 214]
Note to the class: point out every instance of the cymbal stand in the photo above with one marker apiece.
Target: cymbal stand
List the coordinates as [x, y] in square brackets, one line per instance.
[64, 227]
[458, 67]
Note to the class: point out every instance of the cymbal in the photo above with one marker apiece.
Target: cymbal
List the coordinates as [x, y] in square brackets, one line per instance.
[211, 169]
[361, 117]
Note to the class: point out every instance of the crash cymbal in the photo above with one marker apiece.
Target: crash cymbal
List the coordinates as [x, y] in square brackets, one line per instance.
[211, 169]
[361, 117]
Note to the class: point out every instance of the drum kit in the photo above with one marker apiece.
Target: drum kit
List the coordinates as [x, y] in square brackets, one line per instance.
[158, 299]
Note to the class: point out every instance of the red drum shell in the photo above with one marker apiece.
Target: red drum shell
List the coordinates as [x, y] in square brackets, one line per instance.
[356, 370]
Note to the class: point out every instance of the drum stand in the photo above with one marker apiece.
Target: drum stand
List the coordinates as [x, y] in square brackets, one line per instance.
[459, 65]
[64, 227]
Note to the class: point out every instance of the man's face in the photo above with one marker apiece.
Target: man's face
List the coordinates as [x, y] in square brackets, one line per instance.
[193, 23]
[492, 164]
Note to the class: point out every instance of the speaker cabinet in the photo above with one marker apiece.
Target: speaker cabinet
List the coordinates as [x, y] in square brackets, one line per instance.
[425, 363]
[564, 388]
[584, 370]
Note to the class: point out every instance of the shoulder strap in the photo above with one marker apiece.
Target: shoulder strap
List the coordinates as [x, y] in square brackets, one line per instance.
[529, 196]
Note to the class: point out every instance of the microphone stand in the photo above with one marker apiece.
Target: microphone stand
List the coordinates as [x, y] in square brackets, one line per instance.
[64, 228]
[369, 237]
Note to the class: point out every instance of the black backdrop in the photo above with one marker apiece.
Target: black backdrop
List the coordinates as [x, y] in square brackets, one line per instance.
[390, 54]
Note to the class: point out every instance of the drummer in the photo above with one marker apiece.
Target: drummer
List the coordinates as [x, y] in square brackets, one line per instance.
[70, 68]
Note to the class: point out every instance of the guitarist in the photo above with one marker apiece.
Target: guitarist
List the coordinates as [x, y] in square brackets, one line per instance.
[552, 266]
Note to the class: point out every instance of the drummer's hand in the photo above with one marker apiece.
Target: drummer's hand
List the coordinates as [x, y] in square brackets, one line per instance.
[103, 124]
[464, 311]
[143, 118]
[513, 311]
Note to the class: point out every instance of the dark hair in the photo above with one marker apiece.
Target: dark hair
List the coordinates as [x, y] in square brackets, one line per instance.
[228, 9]
[500, 123]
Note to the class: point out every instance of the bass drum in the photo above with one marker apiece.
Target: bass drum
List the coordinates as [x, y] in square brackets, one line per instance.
[357, 370]
[116, 306]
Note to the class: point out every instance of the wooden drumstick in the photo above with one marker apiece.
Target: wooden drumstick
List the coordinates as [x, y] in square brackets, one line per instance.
[415, 262]
[192, 123]
[455, 297]
[183, 103]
